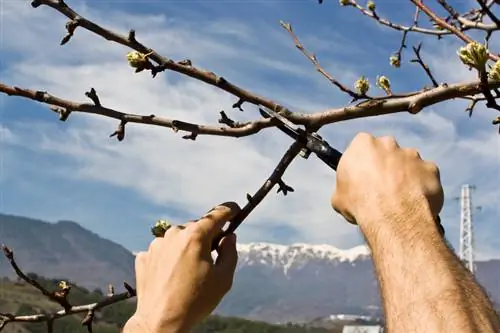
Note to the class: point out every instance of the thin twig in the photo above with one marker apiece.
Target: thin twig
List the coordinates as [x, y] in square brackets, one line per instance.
[486, 9]
[448, 26]
[396, 26]
[420, 61]
[314, 60]
[256, 199]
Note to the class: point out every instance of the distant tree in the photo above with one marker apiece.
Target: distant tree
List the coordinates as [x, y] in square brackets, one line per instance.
[447, 23]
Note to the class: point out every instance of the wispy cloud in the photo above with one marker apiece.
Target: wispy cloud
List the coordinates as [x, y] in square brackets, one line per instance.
[162, 175]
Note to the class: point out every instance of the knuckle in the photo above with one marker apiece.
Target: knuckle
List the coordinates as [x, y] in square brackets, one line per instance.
[363, 137]
[412, 152]
[388, 141]
[432, 167]
[154, 244]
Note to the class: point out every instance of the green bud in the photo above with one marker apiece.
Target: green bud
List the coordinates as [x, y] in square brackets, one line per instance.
[138, 59]
[160, 228]
[362, 85]
[384, 83]
[395, 61]
[371, 6]
[474, 55]
[494, 73]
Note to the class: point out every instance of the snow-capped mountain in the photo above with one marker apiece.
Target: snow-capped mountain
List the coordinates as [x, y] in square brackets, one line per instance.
[297, 255]
[303, 282]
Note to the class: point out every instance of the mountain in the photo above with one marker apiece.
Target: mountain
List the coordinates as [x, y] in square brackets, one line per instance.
[64, 249]
[302, 282]
[274, 283]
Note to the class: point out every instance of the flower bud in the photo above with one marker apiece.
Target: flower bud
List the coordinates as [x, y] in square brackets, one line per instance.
[384, 83]
[138, 59]
[371, 6]
[362, 85]
[395, 61]
[160, 228]
[474, 55]
[494, 73]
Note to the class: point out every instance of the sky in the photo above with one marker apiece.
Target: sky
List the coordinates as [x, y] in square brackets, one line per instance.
[72, 170]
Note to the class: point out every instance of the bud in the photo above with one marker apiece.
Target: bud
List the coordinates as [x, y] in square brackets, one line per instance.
[64, 286]
[384, 83]
[474, 55]
[344, 2]
[494, 73]
[395, 61]
[160, 228]
[362, 85]
[371, 6]
[138, 59]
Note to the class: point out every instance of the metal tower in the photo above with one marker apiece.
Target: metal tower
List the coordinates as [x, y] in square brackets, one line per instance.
[466, 253]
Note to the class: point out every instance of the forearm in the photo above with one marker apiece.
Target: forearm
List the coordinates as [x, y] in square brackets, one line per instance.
[424, 286]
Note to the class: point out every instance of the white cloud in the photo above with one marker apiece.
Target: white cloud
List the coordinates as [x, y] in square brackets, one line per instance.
[194, 176]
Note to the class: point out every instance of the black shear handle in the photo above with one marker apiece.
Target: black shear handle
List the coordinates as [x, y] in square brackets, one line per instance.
[326, 153]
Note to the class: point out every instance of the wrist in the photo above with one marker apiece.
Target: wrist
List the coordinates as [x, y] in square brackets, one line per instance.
[404, 223]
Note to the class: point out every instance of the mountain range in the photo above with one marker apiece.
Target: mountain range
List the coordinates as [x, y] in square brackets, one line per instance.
[274, 283]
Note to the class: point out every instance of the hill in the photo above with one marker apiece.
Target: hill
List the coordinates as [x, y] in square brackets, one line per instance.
[22, 299]
[65, 249]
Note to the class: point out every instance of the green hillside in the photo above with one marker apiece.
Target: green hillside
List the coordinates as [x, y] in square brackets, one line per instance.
[22, 299]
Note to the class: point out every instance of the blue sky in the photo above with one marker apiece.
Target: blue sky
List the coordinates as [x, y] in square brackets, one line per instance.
[71, 170]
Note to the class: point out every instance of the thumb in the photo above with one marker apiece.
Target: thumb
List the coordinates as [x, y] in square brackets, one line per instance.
[227, 258]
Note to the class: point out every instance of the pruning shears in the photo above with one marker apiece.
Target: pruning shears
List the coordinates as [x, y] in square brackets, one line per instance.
[313, 143]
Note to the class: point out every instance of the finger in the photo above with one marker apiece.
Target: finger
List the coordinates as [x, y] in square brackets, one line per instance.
[141, 261]
[211, 224]
[227, 259]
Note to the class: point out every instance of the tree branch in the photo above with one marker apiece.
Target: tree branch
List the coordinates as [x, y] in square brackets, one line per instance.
[396, 26]
[184, 67]
[65, 107]
[448, 26]
[49, 318]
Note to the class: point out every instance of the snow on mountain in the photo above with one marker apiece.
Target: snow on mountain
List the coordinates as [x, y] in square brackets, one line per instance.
[296, 255]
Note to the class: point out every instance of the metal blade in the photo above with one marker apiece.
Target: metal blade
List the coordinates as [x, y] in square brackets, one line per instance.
[288, 130]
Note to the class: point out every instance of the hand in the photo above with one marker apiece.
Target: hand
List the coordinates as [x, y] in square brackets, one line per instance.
[178, 283]
[378, 180]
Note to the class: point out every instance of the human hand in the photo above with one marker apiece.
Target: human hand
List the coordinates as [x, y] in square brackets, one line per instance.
[178, 283]
[378, 180]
